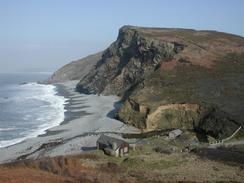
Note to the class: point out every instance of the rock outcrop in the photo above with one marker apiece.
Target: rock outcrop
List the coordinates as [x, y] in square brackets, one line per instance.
[130, 59]
[151, 68]
[203, 118]
[165, 75]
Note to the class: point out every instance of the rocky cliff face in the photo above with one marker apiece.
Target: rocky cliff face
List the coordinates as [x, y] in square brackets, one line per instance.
[202, 117]
[130, 59]
[151, 68]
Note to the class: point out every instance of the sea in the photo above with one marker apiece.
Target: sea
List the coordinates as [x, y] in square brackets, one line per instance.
[27, 109]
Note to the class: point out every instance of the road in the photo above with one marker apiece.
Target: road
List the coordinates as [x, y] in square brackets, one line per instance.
[226, 144]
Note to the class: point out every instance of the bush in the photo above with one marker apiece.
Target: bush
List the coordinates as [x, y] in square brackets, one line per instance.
[161, 150]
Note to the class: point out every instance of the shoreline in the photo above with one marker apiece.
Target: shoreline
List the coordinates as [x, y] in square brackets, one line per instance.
[68, 114]
[51, 94]
[86, 117]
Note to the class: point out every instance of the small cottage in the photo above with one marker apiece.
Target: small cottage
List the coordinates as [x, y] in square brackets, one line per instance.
[174, 134]
[113, 146]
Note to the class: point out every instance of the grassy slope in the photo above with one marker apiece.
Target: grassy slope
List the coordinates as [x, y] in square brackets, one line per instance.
[222, 85]
[209, 70]
[143, 165]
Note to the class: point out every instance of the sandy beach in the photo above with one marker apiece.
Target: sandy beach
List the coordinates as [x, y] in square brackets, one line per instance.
[86, 118]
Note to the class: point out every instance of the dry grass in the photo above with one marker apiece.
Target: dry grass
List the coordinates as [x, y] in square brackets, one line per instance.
[143, 165]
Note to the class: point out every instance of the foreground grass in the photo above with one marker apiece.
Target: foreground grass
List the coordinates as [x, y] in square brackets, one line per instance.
[146, 165]
[157, 160]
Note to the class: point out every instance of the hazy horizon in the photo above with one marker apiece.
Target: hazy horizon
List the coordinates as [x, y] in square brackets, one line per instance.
[45, 35]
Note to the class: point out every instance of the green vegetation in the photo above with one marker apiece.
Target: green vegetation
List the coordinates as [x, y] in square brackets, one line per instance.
[221, 86]
[159, 158]
[177, 118]
[145, 161]
[153, 67]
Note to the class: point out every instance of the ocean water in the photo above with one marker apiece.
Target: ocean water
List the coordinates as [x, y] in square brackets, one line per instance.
[27, 108]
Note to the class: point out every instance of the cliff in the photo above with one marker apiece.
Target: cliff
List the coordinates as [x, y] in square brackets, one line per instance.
[131, 58]
[151, 68]
[75, 70]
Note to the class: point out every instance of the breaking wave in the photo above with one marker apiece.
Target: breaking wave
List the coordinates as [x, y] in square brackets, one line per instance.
[28, 110]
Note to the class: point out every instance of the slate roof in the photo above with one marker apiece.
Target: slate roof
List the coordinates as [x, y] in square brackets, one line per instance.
[176, 132]
[106, 140]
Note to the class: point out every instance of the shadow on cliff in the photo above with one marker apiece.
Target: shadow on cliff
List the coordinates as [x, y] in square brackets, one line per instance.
[113, 112]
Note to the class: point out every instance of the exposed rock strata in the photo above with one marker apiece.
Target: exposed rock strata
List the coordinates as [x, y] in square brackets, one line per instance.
[130, 59]
[151, 68]
[203, 118]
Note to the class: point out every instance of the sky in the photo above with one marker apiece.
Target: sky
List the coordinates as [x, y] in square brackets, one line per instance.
[43, 35]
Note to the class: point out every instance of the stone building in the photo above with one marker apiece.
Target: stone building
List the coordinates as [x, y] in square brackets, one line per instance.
[113, 146]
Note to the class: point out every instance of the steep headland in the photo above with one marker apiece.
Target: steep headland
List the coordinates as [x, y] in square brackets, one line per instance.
[166, 78]
[173, 78]
[75, 70]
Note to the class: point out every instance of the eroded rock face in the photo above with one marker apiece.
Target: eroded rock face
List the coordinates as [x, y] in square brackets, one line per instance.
[126, 62]
[165, 75]
[134, 114]
[183, 116]
[203, 118]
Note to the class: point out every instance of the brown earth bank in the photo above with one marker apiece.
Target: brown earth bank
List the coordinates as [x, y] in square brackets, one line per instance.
[144, 165]
[74, 169]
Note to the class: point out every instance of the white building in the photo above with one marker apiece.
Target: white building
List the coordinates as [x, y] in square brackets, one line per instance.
[174, 134]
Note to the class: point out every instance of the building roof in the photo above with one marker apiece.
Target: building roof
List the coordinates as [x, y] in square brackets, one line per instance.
[106, 140]
[176, 132]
